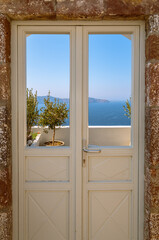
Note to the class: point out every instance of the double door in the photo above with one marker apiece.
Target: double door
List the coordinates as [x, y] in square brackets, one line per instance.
[88, 188]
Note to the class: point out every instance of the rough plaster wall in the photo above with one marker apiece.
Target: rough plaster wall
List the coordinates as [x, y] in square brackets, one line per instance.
[91, 10]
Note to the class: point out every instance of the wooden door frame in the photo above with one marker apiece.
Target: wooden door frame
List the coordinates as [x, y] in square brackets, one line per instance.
[78, 57]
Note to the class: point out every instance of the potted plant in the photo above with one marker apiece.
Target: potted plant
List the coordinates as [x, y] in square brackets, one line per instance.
[32, 113]
[53, 115]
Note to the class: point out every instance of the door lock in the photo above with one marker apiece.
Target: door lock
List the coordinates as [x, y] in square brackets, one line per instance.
[84, 163]
[89, 149]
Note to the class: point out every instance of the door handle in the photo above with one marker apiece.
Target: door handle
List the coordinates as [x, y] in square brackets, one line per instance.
[89, 150]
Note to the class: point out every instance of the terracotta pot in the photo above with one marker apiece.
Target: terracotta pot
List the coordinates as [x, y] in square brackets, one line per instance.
[56, 143]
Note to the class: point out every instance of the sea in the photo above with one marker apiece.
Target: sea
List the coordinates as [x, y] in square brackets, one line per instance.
[109, 113]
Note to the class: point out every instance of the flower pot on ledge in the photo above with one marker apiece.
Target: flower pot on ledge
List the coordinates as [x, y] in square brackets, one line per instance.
[57, 143]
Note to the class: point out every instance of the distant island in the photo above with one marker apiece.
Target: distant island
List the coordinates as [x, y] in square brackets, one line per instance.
[96, 100]
[66, 100]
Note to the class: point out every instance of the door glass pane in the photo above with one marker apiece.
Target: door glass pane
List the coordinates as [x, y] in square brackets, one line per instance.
[47, 89]
[109, 100]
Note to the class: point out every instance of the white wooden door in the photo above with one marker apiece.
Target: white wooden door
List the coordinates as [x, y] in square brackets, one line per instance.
[46, 174]
[66, 193]
[110, 170]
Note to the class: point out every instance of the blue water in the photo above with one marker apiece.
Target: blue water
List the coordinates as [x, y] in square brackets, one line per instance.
[105, 114]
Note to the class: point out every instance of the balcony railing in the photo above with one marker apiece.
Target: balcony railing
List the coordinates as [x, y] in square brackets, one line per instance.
[98, 135]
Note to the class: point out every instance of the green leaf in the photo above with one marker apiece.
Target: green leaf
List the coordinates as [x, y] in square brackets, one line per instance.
[53, 114]
[32, 110]
[127, 108]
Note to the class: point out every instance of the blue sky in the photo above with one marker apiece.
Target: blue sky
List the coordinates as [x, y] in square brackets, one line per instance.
[109, 66]
[48, 65]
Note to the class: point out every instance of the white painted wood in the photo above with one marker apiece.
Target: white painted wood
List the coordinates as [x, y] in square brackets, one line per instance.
[48, 151]
[109, 214]
[78, 169]
[45, 164]
[135, 128]
[15, 163]
[78, 23]
[141, 131]
[47, 168]
[109, 186]
[48, 215]
[114, 151]
[48, 186]
[109, 168]
[21, 129]
[85, 133]
[23, 192]
[101, 171]
[72, 172]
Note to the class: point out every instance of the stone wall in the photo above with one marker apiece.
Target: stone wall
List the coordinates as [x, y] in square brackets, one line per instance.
[5, 132]
[152, 130]
[147, 10]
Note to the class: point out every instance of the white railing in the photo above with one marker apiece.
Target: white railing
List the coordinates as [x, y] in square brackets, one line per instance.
[98, 135]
